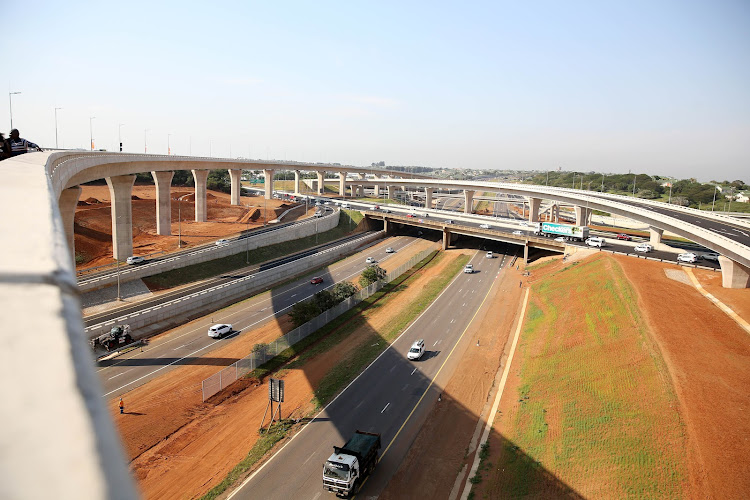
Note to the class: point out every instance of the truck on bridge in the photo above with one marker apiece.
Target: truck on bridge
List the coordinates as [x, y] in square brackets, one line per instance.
[346, 468]
[567, 230]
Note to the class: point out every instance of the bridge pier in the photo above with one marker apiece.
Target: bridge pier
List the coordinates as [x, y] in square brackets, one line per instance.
[555, 213]
[390, 192]
[526, 252]
[534, 204]
[583, 215]
[321, 180]
[468, 201]
[428, 198]
[235, 176]
[201, 210]
[67, 204]
[163, 182]
[121, 191]
[296, 183]
[342, 184]
[446, 238]
[734, 274]
[267, 183]
[655, 236]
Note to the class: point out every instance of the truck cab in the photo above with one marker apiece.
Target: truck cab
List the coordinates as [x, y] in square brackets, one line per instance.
[344, 470]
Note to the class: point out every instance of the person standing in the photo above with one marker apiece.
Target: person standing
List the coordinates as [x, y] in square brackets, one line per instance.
[122, 407]
[19, 146]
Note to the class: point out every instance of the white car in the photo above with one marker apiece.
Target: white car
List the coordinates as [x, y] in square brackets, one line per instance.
[560, 239]
[389, 250]
[490, 255]
[524, 223]
[449, 221]
[484, 226]
[417, 350]
[222, 242]
[217, 331]
[469, 268]
[643, 247]
[135, 260]
[518, 232]
[687, 257]
[713, 257]
[369, 260]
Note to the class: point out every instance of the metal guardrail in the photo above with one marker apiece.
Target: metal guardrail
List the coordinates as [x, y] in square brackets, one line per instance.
[228, 375]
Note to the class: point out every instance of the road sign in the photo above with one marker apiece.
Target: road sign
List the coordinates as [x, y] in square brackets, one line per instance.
[276, 390]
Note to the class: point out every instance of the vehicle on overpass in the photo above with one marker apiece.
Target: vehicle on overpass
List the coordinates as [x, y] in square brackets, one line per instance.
[713, 257]
[346, 468]
[135, 260]
[549, 229]
[625, 237]
[316, 280]
[469, 269]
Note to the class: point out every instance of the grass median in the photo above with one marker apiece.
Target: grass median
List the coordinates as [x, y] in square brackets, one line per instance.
[332, 334]
[348, 221]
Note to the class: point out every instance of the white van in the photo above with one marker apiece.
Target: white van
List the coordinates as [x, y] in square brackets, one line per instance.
[596, 241]
[345, 205]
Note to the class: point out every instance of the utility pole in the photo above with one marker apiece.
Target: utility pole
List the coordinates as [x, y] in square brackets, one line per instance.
[56, 146]
[10, 106]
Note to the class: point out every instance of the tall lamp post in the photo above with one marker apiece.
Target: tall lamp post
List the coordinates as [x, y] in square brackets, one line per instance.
[56, 146]
[714, 202]
[179, 220]
[91, 131]
[10, 106]
[145, 140]
[635, 176]
[119, 134]
[169, 149]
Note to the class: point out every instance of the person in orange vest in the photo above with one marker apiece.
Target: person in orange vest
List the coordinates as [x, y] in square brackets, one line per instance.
[122, 407]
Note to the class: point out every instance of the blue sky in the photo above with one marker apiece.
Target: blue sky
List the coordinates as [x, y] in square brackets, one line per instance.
[653, 87]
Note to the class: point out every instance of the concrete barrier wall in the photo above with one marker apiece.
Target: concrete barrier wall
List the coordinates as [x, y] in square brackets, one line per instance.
[179, 311]
[211, 252]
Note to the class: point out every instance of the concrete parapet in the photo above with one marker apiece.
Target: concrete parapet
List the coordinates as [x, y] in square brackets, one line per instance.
[121, 191]
[163, 182]
[201, 210]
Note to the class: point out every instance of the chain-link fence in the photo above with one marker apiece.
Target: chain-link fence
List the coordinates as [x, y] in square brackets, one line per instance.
[228, 375]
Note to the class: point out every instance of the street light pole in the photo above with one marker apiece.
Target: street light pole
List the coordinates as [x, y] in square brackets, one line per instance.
[635, 176]
[56, 146]
[714, 202]
[119, 135]
[91, 131]
[145, 143]
[169, 148]
[670, 191]
[10, 106]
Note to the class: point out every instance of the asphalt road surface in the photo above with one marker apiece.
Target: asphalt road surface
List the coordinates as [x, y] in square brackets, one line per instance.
[191, 344]
[393, 396]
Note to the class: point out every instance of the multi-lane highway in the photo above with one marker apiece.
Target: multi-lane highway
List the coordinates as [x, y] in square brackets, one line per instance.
[183, 344]
[392, 396]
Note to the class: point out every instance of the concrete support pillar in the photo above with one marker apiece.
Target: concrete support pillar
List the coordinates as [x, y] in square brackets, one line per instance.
[321, 180]
[361, 190]
[235, 175]
[733, 274]
[201, 209]
[376, 191]
[342, 184]
[296, 183]
[534, 204]
[163, 182]
[67, 203]
[121, 191]
[555, 213]
[526, 253]
[386, 226]
[656, 235]
[446, 238]
[428, 198]
[268, 183]
[390, 192]
[583, 216]
[468, 201]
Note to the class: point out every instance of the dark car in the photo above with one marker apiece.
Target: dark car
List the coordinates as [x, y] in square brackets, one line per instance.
[316, 280]
[625, 237]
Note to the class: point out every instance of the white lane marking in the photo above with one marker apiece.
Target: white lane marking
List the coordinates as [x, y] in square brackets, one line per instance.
[294, 295]
[317, 495]
[453, 320]
[110, 378]
[412, 372]
[404, 387]
[183, 345]
[436, 343]
[464, 304]
[308, 458]
[391, 370]
[385, 407]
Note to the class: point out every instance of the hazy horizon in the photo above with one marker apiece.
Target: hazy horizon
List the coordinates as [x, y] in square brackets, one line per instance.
[658, 88]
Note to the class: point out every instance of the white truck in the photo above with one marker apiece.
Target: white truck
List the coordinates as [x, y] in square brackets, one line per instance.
[572, 232]
[346, 468]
